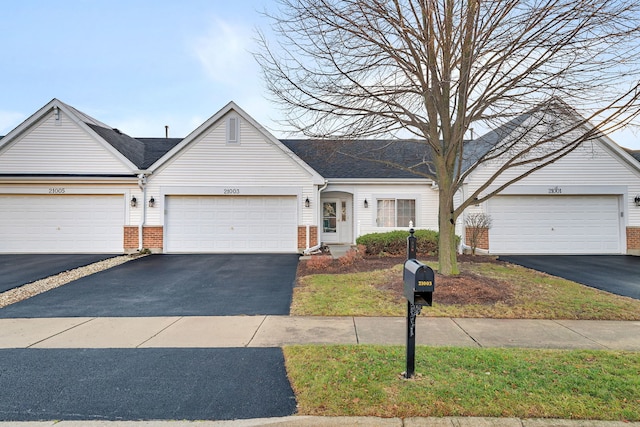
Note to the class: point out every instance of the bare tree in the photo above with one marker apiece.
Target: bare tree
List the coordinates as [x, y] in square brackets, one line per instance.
[478, 224]
[430, 69]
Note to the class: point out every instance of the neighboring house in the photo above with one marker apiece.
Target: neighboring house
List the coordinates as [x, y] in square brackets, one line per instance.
[69, 183]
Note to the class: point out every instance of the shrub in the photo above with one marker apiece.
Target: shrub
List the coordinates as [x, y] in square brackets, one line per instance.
[350, 257]
[319, 262]
[477, 225]
[395, 242]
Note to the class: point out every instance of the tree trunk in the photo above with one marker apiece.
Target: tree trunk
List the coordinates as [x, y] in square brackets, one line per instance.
[447, 256]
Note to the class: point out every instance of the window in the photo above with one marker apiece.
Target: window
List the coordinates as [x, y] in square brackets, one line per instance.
[396, 212]
[233, 131]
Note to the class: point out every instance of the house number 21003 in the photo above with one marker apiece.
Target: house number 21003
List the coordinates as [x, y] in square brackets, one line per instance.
[56, 190]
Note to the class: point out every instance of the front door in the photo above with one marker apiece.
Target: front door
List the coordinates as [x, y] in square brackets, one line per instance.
[335, 221]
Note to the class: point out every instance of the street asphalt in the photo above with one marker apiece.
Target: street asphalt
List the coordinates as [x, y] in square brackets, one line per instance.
[144, 384]
[20, 269]
[617, 274]
[173, 285]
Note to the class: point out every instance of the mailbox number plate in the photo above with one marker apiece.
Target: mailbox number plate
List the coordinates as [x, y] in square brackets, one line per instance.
[425, 283]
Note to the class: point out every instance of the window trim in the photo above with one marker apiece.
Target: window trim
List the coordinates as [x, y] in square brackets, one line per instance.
[379, 198]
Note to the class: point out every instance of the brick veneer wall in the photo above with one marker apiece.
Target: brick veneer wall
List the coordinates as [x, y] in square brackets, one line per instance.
[302, 236]
[483, 238]
[151, 238]
[130, 238]
[633, 240]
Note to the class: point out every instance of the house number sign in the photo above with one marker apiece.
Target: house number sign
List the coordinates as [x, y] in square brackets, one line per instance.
[555, 190]
[231, 191]
[56, 190]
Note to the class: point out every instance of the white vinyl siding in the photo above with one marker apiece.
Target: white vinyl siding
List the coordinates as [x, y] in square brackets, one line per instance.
[210, 162]
[593, 170]
[61, 223]
[231, 224]
[426, 204]
[555, 225]
[589, 165]
[64, 149]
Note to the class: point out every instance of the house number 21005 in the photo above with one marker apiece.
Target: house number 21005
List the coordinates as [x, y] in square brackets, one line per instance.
[56, 190]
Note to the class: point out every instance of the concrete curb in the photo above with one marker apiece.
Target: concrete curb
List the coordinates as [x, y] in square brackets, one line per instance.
[313, 421]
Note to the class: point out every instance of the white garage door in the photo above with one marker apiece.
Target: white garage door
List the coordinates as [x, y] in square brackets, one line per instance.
[61, 224]
[555, 225]
[231, 224]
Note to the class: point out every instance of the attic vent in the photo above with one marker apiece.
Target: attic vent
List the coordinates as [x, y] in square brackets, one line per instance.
[232, 130]
[117, 131]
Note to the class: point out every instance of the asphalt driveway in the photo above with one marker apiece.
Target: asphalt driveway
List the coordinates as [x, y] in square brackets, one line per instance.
[20, 269]
[173, 285]
[144, 384]
[618, 274]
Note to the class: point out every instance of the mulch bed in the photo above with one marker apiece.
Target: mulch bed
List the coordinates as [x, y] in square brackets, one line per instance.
[464, 288]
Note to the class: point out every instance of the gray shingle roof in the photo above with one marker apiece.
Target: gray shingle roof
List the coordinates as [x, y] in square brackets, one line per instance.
[129, 147]
[142, 152]
[154, 148]
[634, 153]
[364, 158]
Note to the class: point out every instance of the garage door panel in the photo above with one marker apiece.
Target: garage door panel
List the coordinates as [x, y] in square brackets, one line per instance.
[61, 223]
[231, 224]
[555, 225]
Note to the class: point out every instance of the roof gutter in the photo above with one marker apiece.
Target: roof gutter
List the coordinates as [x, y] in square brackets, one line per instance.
[309, 250]
[142, 183]
[380, 181]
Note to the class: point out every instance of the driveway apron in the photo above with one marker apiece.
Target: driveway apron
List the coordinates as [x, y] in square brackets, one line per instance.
[144, 384]
[20, 269]
[617, 274]
[173, 285]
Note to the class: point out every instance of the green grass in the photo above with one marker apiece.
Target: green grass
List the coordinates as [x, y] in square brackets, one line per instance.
[345, 295]
[367, 381]
[535, 296]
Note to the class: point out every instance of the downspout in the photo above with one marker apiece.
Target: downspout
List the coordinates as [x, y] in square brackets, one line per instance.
[319, 211]
[142, 183]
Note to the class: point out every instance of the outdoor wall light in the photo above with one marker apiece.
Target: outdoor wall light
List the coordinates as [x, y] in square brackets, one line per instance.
[366, 204]
[637, 200]
[152, 202]
[307, 203]
[134, 202]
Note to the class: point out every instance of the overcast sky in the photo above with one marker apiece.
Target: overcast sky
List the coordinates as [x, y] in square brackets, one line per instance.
[138, 65]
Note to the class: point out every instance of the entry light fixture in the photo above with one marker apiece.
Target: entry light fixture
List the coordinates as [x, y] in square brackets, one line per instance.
[152, 202]
[366, 204]
[637, 200]
[307, 203]
[134, 202]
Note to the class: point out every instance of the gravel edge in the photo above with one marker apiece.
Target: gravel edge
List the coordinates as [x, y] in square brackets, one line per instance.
[29, 290]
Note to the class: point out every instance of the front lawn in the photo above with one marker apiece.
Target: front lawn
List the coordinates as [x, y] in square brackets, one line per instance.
[485, 288]
[366, 381]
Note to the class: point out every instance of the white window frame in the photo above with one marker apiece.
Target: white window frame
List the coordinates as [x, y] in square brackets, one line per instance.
[394, 202]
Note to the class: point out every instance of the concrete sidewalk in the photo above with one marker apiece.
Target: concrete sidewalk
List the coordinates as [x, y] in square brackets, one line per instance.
[277, 331]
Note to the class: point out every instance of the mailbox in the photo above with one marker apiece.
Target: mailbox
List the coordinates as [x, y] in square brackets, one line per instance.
[419, 282]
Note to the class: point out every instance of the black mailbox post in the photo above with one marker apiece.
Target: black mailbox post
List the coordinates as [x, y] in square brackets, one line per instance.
[419, 284]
